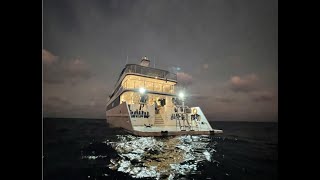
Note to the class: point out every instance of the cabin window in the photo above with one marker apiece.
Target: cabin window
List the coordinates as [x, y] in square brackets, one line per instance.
[138, 69]
[166, 88]
[157, 87]
[136, 98]
[149, 85]
[130, 84]
[115, 103]
[124, 84]
[143, 99]
[138, 84]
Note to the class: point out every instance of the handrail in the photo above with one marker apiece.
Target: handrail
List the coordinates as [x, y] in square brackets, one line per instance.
[149, 71]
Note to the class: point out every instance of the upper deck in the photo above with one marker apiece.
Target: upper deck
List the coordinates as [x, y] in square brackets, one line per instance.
[157, 75]
[148, 72]
[135, 76]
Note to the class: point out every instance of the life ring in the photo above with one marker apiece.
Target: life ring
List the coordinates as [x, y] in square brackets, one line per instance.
[194, 111]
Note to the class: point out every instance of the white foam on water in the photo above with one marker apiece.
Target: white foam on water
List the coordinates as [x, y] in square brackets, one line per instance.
[147, 172]
[124, 166]
[207, 155]
[132, 156]
[92, 157]
[171, 176]
[183, 169]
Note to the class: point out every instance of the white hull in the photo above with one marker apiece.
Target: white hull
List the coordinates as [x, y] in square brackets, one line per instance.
[120, 117]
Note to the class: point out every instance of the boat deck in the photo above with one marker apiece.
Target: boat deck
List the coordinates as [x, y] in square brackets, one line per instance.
[171, 131]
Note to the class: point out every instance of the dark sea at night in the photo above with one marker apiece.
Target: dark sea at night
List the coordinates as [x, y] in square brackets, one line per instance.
[88, 149]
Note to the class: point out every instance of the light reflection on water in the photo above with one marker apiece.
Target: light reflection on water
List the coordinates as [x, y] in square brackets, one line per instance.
[142, 157]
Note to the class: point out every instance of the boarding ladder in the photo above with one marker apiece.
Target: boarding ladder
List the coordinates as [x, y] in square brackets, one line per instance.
[182, 115]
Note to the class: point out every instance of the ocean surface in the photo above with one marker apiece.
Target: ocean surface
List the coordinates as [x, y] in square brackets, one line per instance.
[79, 149]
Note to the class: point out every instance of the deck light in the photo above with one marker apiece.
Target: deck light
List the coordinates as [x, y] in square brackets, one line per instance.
[181, 95]
[142, 90]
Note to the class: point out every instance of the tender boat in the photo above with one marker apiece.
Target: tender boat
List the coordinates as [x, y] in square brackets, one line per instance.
[144, 103]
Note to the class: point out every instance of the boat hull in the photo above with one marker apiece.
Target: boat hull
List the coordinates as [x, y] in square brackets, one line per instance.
[119, 117]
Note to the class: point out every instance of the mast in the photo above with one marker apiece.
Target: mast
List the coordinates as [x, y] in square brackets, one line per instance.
[127, 60]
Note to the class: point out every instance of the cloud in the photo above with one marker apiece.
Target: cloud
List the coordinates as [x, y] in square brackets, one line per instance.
[55, 106]
[251, 86]
[200, 97]
[195, 98]
[57, 71]
[262, 96]
[48, 58]
[246, 83]
[76, 68]
[224, 99]
[205, 66]
[57, 101]
[52, 77]
[184, 79]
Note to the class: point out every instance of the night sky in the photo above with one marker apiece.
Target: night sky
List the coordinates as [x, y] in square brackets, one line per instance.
[225, 52]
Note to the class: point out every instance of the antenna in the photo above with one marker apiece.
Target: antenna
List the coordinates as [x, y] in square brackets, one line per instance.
[154, 64]
[127, 60]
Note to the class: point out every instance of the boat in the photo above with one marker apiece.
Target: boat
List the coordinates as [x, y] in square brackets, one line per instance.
[144, 103]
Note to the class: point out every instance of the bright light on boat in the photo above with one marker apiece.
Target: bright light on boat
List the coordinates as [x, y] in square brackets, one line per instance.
[142, 90]
[181, 95]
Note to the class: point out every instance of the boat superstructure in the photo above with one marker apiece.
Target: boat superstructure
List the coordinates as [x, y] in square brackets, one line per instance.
[144, 103]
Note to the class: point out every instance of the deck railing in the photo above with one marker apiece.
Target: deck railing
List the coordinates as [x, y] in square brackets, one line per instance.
[158, 73]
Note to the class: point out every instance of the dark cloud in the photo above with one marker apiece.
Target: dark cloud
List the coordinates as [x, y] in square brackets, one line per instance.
[56, 71]
[193, 100]
[57, 101]
[184, 79]
[246, 83]
[224, 99]
[199, 97]
[205, 66]
[60, 107]
[48, 58]
[76, 68]
[206, 100]
[249, 84]
[262, 96]
[91, 110]
[56, 107]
